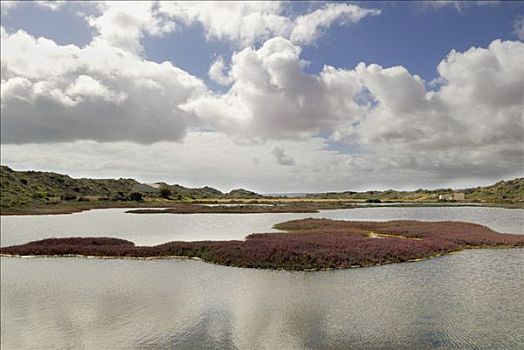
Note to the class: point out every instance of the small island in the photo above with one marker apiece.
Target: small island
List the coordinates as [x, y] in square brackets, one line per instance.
[306, 244]
[242, 208]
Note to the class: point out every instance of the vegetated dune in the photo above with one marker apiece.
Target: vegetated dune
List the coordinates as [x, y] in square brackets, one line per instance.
[307, 244]
[47, 193]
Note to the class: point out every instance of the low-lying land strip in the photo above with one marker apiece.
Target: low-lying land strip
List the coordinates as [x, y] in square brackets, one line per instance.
[44, 193]
[165, 207]
[242, 208]
[307, 244]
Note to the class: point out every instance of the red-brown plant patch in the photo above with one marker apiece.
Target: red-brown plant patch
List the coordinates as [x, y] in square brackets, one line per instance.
[307, 244]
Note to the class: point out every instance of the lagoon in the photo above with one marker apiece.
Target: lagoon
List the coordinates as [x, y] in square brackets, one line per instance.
[152, 229]
[471, 299]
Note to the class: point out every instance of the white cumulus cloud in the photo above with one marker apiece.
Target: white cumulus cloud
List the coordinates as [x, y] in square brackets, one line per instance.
[308, 27]
[271, 96]
[98, 92]
[122, 24]
[245, 23]
[218, 72]
[473, 122]
[518, 27]
[385, 121]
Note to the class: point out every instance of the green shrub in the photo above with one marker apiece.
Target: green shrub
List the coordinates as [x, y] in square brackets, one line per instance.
[165, 192]
[136, 196]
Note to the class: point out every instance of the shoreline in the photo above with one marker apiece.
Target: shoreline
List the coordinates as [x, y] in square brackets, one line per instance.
[192, 207]
[197, 259]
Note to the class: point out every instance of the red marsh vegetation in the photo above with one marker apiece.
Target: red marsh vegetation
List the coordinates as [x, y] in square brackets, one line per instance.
[306, 244]
[242, 208]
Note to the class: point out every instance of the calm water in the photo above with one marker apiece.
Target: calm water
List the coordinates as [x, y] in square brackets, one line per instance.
[151, 229]
[470, 300]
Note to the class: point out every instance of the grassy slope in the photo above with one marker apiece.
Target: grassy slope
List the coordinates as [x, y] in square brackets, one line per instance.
[24, 188]
[503, 191]
[510, 191]
[35, 189]
[29, 189]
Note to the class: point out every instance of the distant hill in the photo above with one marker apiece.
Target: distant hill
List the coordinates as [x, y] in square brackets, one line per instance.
[34, 188]
[24, 188]
[503, 191]
[242, 193]
[510, 191]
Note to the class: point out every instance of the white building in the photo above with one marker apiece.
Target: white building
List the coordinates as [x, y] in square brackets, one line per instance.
[459, 196]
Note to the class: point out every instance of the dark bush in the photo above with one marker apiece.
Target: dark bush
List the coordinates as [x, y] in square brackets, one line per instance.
[120, 196]
[165, 192]
[68, 197]
[373, 200]
[136, 196]
[40, 195]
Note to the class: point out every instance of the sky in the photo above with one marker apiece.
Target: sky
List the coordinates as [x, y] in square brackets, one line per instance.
[269, 96]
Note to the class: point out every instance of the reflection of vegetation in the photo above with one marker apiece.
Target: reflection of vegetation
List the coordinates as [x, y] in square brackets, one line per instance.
[308, 244]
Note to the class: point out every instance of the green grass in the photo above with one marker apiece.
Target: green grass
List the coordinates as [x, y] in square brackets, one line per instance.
[21, 191]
